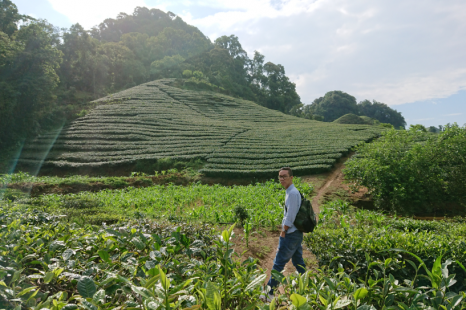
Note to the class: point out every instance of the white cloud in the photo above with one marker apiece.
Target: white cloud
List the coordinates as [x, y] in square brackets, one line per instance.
[90, 13]
[453, 114]
[393, 52]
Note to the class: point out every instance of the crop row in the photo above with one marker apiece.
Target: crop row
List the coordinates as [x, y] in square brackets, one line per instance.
[268, 155]
[266, 173]
[121, 154]
[266, 166]
[131, 148]
[111, 163]
[278, 160]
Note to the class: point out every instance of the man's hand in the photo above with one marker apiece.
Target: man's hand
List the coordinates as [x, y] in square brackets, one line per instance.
[283, 233]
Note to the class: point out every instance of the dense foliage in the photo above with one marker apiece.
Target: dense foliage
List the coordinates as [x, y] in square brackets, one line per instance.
[336, 104]
[351, 238]
[46, 263]
[156, 120]
[29, 60]
[413, 171]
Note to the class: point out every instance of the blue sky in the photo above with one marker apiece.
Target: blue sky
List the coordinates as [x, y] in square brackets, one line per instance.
[408, 54]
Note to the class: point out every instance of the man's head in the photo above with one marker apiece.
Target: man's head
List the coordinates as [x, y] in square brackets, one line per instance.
[285, 175]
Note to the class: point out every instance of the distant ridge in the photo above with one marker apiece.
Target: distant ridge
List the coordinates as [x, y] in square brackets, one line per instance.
[157, 120]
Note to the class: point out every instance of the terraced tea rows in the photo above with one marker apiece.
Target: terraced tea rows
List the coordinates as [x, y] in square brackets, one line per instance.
[156, 120]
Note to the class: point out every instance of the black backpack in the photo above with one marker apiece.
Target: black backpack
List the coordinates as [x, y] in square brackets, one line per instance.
[305, 220]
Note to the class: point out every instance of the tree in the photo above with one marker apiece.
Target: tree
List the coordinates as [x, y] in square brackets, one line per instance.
[28, 79]
[9, 17]
[162, 67]
[381, 112]
[417, 127]
[333, 105]
[124, 69]
[433, 129]
[280, 92]
[79, 65]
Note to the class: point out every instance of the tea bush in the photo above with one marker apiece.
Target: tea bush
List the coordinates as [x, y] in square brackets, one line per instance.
[48, 264]
[349, 240]
[155, 126]
[413, 172]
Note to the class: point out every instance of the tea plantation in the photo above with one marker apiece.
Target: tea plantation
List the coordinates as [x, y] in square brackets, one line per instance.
[156, 120]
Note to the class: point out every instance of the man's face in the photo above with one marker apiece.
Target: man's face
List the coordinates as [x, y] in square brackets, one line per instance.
[285, 179]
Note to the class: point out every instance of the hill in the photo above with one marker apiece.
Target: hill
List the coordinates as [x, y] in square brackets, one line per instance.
[350, 118]
[137, 127]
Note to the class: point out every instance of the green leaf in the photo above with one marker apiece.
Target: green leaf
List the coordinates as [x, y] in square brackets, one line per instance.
[360, 293]
[99, 296]
[26, 290]
[298, 300]
[104, 256]
[144, 292]
[213, 298]
[48, 277]
[70, 307]
[151, 282]
[87, 305]
[67, 254]
[164, 280]
[366, 307]
[86, 287]
[342, 303]
[138, 243]
[256, 282]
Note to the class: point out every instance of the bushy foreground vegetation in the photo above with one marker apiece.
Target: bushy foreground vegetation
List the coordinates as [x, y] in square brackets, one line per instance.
[154, 121]
[48, 263]
[413, 171]
[349, 238]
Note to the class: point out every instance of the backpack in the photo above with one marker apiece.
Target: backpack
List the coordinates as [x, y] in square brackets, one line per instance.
[305, 220]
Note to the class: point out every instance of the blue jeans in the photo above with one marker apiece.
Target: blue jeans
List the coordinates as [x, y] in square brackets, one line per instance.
[288, 248]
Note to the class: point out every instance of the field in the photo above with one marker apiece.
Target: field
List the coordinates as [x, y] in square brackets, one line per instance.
[155, 121]
[160, 248]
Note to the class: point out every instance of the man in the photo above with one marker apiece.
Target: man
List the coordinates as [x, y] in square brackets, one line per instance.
[289, 246]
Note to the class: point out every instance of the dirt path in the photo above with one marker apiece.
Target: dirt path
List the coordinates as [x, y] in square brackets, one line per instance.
[333, 181]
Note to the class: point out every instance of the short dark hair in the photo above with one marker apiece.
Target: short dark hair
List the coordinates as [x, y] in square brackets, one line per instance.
[290, 172]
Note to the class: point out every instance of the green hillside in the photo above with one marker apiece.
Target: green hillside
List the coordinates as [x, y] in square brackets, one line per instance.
[351, 118]
[157, 120]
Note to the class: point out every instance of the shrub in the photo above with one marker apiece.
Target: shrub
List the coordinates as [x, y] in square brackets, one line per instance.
[241, 214]
[412, 171]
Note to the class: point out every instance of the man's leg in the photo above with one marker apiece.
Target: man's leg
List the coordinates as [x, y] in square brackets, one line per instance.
[286, 249]
[298, 260]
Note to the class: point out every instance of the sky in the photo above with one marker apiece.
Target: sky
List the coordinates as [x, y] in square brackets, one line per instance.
[409, 54]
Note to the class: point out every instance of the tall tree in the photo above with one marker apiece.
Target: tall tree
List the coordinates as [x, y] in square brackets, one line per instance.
[333, 105]
[28, 78]
[9, 17]
[381, 112]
